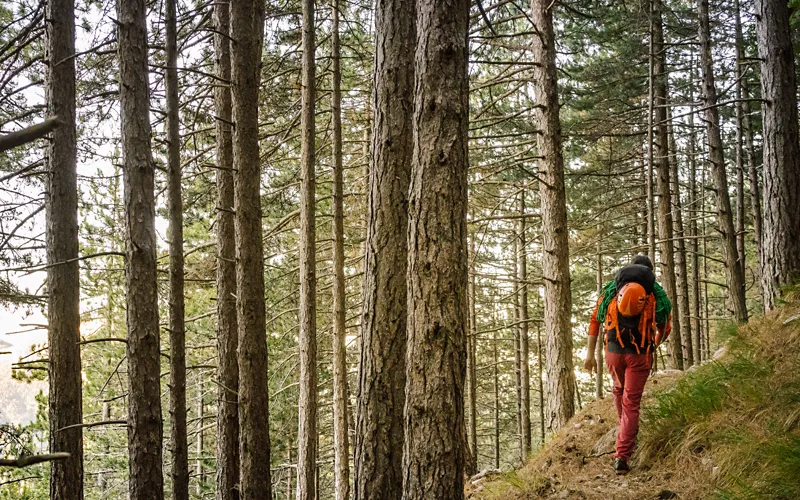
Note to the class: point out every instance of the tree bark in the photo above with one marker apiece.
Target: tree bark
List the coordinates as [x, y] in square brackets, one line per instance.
[517, 345]
[740, 152]
[694, 209]
[307, 428]
[649, 188]
[340, 427]
[472, 382]
[227, 448]
[599, 350]
[247, 33]
[496, 387]
[681, 271]
[63, 280]
[433, 459]
[781, 237]
[733, 272]
[177, 329]
[199, 444]
[665, 223]
[555, 254]
[525, 374]
[382, 378]
[540, 381]
[143, 349]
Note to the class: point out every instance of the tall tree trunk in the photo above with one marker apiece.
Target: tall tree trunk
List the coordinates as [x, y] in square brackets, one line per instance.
[540, 381]
[177, 330]
[433, 459]
[649, 188]
[733, 272]
[247, 33]
[63, 280]
[681, 271]
[555, 254]
[472, 382]
[145, 430]
[752, 172]
[382, 376]
[599, 350]
[525, 375]
[740, 152]
[665, 223]
[781, 237]
[199, 444]
[517, 345]
[496, 408]
[307, 428]
[694, 209]
[227, 449]
[340, 427]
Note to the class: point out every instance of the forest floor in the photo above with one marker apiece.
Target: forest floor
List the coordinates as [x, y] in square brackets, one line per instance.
[727, 429]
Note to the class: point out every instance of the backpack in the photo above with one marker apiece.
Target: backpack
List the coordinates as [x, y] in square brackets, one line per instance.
[639, 331]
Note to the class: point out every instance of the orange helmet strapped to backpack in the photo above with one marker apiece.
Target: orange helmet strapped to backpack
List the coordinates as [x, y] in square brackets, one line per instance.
[631, 299]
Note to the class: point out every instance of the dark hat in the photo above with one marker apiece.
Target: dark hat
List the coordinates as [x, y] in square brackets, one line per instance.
[643, 260]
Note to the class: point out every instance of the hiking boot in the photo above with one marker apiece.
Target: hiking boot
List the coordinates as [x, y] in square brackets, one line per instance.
[621, 466]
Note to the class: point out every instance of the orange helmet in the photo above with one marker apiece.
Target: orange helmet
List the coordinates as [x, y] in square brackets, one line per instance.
[631, 299]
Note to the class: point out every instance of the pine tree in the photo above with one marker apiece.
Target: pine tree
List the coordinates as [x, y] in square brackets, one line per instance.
[555, 254]
[433, 459]
[144, 354]
[63, 280]
[781, 238]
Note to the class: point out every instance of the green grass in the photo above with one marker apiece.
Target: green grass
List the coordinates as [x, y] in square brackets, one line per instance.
[739, 414]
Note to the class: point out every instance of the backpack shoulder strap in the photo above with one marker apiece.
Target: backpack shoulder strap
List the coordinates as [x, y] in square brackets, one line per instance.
[609, 292]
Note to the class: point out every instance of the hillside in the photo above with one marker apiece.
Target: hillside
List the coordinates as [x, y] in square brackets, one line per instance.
[727, 429]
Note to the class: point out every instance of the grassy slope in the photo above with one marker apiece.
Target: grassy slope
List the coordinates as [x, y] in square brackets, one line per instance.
[729, 429]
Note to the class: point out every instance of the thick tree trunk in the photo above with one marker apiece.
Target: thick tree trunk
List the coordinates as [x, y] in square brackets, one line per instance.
[307, 427]
[555, 251]
[340, 427]
[247, 30]
[382, 376]
[143, 350]
[227, 449]
[733, 272]
[665, 223]
[781, 237]
[525, 374]
[472, 382]
[63, 280]
[433, 459]
[177, 329]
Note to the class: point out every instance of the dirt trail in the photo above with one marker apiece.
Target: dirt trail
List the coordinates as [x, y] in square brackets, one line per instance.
[576, 464]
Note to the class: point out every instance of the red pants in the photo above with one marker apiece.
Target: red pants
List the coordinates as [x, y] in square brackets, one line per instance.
[629, 372]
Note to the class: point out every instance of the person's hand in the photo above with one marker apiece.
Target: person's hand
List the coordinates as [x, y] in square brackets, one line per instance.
[590, 364]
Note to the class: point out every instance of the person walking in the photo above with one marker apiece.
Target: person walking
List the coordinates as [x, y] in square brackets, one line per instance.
[635, 314]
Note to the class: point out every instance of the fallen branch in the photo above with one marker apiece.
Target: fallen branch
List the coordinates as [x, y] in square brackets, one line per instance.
[33, 459]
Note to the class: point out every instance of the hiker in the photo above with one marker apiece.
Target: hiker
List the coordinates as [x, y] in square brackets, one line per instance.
[635, 312]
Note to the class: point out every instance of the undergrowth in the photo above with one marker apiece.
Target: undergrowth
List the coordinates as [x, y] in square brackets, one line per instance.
[735, 421]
